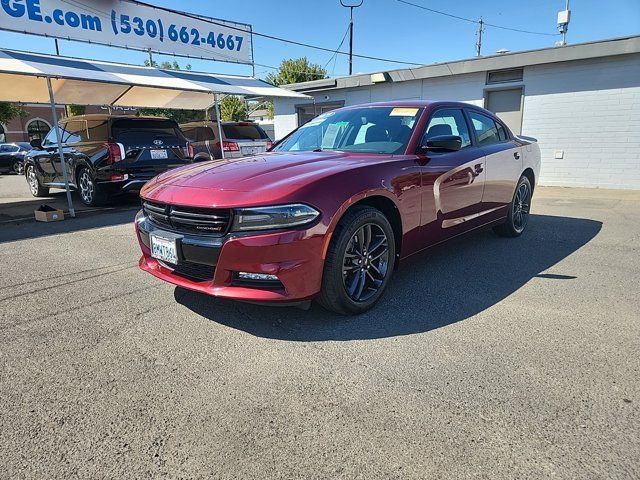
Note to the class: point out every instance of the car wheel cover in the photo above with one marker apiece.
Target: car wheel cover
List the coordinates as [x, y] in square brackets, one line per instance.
[366, 262]
[521, 205]
[18, 168]
[33, 180]
[86, 186]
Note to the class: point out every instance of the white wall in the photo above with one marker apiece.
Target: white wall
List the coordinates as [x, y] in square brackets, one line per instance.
[588, 109]
[591, 111]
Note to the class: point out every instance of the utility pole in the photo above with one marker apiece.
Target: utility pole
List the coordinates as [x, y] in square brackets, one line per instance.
[351, 7]
[57, 47]
[150, 58]
[479, 34]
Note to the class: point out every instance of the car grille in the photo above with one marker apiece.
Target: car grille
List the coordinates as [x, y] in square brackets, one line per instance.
[195, 220]
[192, 271]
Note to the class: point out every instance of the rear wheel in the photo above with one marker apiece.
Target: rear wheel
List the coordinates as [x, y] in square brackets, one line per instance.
[359, 262]
[90, 192]
[518, 215]
[36, 189]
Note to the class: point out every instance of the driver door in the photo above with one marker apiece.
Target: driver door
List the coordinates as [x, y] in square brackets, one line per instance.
[453, 182]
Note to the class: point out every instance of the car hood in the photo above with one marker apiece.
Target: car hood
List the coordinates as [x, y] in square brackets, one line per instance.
[261, 178]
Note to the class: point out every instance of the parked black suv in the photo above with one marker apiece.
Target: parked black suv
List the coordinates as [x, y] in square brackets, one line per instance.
[106, 155]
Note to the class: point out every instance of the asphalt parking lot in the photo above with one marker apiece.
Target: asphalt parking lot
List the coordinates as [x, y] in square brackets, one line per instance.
[490, 358]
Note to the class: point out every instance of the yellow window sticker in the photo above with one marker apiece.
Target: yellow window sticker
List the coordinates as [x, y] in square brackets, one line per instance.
[403, 112]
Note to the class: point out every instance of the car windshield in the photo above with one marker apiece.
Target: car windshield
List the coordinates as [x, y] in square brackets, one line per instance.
[385, 130]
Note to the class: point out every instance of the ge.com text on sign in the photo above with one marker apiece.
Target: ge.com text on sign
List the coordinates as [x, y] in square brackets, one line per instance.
[128, 24]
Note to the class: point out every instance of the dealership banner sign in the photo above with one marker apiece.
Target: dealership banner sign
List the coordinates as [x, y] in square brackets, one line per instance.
[129, 24]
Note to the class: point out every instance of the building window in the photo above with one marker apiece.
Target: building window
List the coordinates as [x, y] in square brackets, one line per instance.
[505, 76]
[37, 129]
[3, 133]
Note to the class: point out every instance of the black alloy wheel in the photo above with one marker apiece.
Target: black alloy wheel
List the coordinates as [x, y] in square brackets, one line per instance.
[518, 215]
[359, 261]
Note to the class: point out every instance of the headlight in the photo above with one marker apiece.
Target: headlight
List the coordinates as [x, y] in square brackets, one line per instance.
[268, 218]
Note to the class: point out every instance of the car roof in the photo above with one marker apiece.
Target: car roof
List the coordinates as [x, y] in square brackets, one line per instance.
[106, 116]
[413, 103]
[204, 123]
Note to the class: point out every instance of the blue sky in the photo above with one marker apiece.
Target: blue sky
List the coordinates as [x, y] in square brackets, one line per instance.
[383, 28]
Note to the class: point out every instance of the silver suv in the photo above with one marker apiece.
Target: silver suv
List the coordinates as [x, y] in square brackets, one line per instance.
[239, 139]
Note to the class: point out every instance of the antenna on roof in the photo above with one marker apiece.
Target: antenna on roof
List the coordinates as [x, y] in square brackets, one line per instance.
[564, 16]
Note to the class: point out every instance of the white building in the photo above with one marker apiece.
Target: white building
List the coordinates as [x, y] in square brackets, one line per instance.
[582, 103]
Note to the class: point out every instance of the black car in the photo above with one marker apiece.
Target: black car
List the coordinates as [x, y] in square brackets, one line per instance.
[12, 157]
[106, 155]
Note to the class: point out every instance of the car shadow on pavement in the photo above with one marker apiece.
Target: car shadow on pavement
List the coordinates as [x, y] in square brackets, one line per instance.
[119, 211]
[446, 285]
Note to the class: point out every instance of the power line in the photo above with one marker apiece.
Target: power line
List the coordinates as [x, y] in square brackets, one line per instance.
[335, 53]
[471, 20]
[273, 37]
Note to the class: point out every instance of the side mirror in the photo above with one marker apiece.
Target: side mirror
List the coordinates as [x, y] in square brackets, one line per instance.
[441, 143]
[36, 143]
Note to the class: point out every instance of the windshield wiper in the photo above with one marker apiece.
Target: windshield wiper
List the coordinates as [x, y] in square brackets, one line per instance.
[319, 149]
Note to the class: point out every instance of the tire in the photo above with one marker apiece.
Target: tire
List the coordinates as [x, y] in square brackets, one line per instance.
[519, 208]
[18, 167]
[357, 289]
[36, 189]
[90, 193]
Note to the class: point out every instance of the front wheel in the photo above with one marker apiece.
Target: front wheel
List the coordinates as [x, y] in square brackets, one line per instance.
[519, 208]
[36, 189]
[359, 262]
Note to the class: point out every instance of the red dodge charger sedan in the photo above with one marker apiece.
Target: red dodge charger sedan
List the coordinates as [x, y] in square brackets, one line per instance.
[331, 211]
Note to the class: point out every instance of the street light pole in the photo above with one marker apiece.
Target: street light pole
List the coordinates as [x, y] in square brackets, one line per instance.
[351, 7]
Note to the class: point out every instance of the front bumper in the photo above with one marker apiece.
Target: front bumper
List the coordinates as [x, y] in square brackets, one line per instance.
[210, 265]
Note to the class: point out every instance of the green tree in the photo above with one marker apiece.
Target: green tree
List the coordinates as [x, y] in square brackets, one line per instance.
[295, 70]
[233, 108]
[180, 116]
[9, 111]
[73, 110]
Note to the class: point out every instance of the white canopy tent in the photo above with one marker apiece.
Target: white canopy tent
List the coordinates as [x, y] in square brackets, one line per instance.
[38, 78]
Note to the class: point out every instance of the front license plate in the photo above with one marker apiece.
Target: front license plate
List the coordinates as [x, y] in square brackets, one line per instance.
[159, 154]
[164, 249]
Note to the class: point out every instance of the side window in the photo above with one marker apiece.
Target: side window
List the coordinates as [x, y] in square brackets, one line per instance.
[502, 132]
[485, 128]
[73, 131]
[51, 139]
[449, 122]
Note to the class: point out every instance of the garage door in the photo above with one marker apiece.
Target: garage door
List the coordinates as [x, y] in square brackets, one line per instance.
[507, 105]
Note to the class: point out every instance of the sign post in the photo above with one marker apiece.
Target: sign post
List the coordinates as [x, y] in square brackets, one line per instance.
[54, 116]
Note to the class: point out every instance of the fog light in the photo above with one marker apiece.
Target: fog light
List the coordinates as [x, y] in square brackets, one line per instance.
[257, 276]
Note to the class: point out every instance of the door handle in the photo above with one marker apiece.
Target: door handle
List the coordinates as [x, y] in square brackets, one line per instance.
[516, 155]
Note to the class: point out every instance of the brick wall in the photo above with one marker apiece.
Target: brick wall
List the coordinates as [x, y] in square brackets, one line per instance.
[588, 111]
